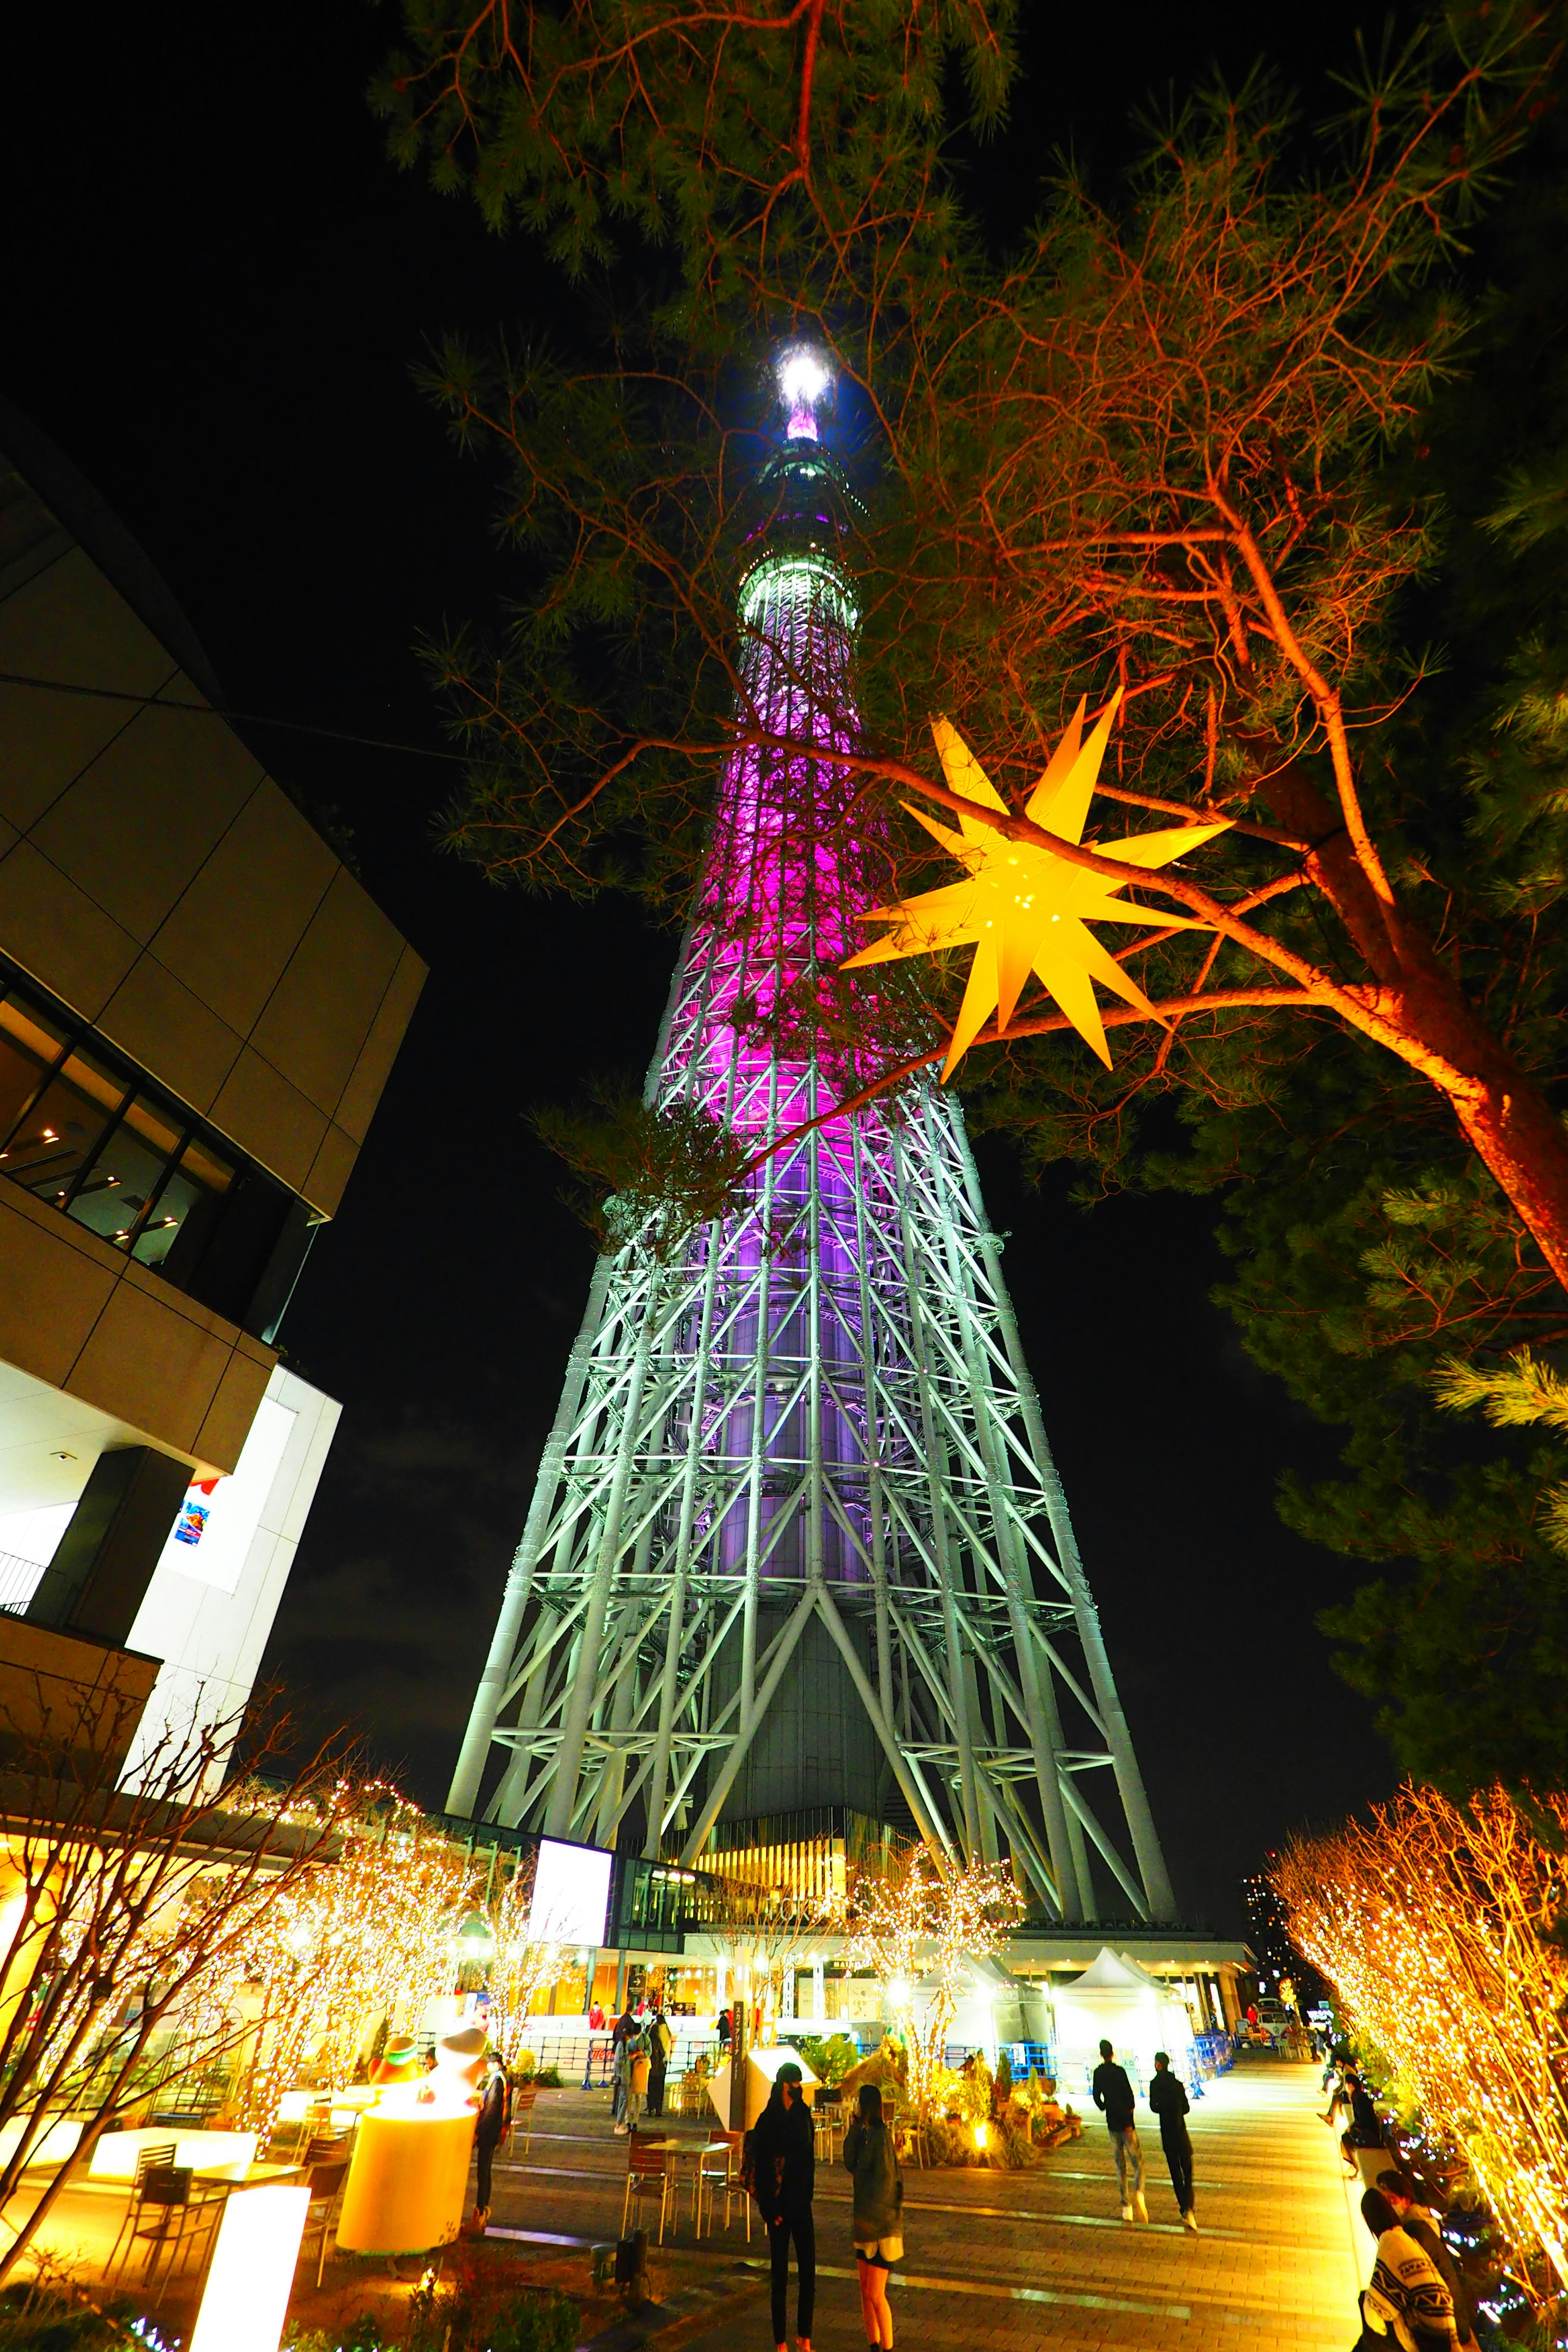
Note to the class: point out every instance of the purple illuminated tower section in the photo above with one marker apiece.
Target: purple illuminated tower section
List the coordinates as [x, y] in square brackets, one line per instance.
[797, 1551]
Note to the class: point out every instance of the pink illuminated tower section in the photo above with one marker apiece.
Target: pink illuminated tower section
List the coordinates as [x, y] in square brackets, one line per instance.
[798, 1558]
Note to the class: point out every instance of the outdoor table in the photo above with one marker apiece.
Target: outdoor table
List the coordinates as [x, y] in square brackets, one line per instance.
[680, 2153]
[114, 2157]
[247, 2176]
[673, 2149]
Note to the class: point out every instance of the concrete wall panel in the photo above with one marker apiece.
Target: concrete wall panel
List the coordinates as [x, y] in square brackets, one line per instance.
[325, 1006]
[56, 931]
[158, 1022]
[270, 1119]
[51, 1291]
[67, 624]
[228, 1418]
[149, 1363]
[139, 824]
[231, 935]
[358, 1100]
[330, 1171]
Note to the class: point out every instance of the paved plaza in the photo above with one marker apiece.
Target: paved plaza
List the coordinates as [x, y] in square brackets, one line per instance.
[1039, 2257]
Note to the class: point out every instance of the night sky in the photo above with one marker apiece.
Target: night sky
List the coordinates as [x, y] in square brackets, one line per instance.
[215, 289]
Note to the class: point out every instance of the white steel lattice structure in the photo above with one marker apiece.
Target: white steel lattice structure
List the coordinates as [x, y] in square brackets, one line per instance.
[797, 1538]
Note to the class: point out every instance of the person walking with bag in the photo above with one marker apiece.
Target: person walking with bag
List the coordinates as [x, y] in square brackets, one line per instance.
[782, 2162]
[877, 2228]
[1168, 2097]
[1113, 2096]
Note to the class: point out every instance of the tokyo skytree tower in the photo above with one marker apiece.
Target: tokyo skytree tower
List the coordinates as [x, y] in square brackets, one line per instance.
[797, 1540]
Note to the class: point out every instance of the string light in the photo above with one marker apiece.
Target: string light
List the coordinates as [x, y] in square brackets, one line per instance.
[359, 1938]
[911, 1926]
[1436, 1924]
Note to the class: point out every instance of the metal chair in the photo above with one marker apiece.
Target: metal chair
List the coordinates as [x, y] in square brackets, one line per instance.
[327, 2180]
[645, 2166]
[522, 2103]
[158, 2158]
[713, 2177]
[909, 2136]
[167, 2209]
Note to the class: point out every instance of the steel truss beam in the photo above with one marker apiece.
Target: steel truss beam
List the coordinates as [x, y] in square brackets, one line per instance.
[816, 1408]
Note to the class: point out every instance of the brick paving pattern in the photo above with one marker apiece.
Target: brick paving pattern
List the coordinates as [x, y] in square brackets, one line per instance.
[1041, 2257]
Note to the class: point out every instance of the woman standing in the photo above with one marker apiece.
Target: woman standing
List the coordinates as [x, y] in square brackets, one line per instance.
[878, 2225]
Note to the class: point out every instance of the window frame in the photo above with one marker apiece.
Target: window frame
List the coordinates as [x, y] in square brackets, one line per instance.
[81, 1036]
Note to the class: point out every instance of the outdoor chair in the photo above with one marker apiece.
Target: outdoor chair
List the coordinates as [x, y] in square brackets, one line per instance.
[151, 2158]
[909, 2136]
[720, 2170]
[327, 2179]
[644, 2167]
[523, 2101]
[172, 2212]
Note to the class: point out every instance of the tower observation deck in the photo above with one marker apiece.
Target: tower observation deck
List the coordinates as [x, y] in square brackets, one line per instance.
[797, 1539]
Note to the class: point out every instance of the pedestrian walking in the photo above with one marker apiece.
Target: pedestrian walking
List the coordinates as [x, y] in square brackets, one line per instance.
[660, 2043]
[1419, 2221]
[490, 2128]
[1113, 2096]
[877, 2226]
[1168, 2097]
[783, 2168]
[1408, 2298]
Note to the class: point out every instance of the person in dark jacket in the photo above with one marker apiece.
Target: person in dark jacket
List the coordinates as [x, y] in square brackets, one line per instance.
[1168, 2097]
[1365, 2145]
[490, 2131]
[783, 2148]
[660, 2043]
[877, 2224]
[1419, 2222]
[1113, 2096]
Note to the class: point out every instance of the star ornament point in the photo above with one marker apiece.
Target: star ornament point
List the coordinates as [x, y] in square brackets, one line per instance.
[1021, 907]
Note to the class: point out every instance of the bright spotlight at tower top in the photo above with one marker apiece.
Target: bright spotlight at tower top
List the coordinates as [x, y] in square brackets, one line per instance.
[803, 377]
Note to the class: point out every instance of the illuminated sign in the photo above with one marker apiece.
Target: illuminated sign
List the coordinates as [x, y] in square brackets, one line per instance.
[571, 1894]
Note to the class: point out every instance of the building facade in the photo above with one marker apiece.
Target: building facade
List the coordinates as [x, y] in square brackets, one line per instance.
[199, 1006]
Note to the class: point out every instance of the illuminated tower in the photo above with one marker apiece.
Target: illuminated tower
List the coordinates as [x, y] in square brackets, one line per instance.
[797, 1540]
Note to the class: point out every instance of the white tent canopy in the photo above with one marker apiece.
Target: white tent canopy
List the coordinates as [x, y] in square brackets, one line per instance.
[1116, 2001]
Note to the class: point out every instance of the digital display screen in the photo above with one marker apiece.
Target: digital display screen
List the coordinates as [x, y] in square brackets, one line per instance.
[571, 1894]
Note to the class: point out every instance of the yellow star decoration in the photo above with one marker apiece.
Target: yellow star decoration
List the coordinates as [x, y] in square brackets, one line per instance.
[1023, 909]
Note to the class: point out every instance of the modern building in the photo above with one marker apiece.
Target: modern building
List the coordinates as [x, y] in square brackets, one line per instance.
[199, 1006]
[797, 1546]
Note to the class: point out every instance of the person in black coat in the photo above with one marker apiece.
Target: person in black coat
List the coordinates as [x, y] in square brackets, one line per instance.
[1168, 2097]
[490, 2131]
[1113, 2097]
[783, 2157]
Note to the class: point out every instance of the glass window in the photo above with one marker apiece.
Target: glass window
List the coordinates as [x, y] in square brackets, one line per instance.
[81, 1140]
[29, 1048]
[119, 1190]
[54, 1140]
[188, 1201]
